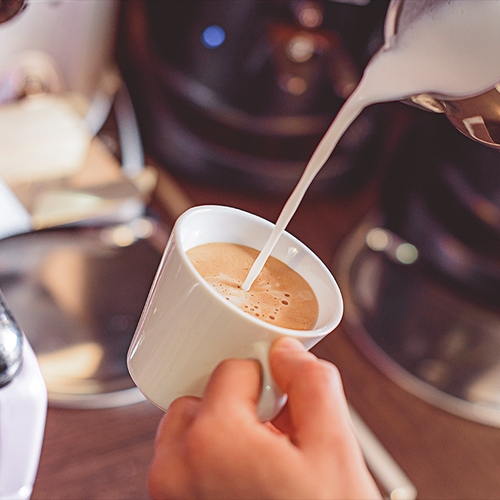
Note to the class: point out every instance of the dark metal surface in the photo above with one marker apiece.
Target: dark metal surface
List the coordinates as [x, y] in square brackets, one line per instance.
[247, 114]
[78, 294]
[429, 338]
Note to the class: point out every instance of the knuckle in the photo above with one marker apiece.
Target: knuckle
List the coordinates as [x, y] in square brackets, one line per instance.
[200, 438]
[331, 371]
[176, 408]
[183, 408]
[208, 441]
[320, 377]
[319, 369]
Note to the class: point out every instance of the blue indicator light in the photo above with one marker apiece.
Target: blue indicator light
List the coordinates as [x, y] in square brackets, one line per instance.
[213, 36]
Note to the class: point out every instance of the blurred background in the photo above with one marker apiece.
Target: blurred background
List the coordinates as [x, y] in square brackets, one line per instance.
[116, 116]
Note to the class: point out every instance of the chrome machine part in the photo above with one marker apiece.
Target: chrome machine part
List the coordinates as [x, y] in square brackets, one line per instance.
[477, 117]
[78, 294]
[475, 112]
[58, 43]
[11, 345]
[10, 8]
[427, 338]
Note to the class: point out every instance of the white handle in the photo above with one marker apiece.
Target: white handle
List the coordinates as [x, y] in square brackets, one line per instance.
[272, 399]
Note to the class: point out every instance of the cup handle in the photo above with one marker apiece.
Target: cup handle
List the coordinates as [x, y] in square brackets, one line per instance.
[272, 399]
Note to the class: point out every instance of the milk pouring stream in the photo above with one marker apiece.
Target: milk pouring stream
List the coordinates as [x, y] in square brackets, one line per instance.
[444, 48]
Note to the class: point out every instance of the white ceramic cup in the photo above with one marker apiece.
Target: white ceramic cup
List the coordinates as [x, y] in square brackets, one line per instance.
[187, 328]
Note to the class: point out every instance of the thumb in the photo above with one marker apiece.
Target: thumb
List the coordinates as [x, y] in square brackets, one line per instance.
[316, 400]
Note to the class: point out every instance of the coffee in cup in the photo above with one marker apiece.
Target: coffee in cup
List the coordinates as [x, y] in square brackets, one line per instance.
[279, 295]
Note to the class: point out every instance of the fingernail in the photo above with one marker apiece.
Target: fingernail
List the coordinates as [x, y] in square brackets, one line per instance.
[288, 343]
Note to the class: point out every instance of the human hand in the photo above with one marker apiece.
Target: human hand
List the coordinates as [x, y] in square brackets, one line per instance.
[216, 447]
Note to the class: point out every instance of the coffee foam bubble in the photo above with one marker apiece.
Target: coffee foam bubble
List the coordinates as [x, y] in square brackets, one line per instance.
[261, 302]
[279, 295]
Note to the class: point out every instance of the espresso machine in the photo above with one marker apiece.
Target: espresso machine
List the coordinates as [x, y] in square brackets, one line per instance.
[73, 190]
[33, 60]
[238, 94]
[77, 251]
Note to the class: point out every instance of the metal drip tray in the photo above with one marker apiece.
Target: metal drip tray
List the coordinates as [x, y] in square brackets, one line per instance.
[77, 293]
[431, 340]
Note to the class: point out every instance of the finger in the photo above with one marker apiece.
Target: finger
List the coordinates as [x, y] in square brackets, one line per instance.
[234, 384]
[177, 420]
[283, 423]
[169, 475]
[314, 389]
